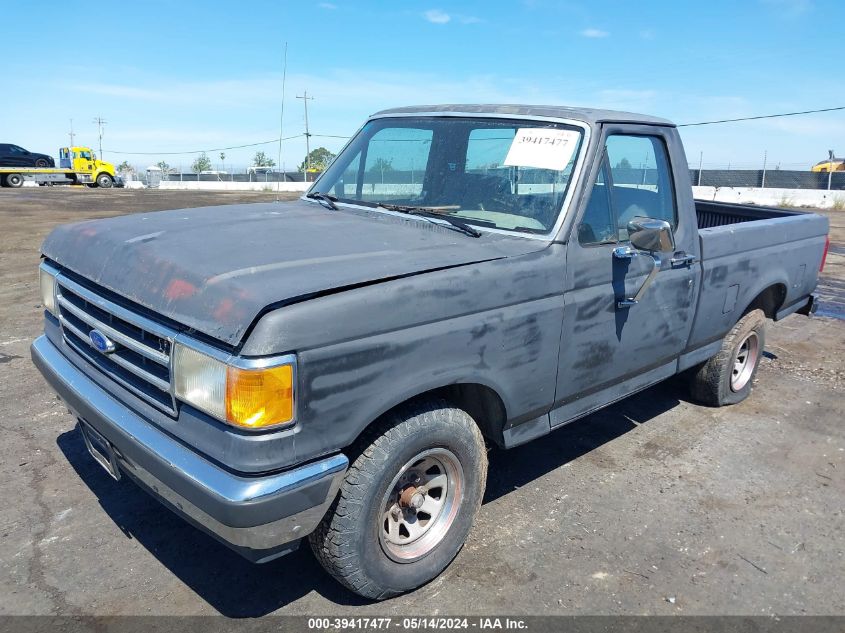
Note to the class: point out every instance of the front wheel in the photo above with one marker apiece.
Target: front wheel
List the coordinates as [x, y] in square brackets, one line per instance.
[407, 503]
[42, 163]
[728, 376]
[104, 181]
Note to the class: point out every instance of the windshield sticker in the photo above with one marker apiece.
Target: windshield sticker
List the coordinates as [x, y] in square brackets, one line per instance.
[542, 148]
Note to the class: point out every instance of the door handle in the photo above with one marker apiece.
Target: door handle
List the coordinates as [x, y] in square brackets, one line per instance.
[628, 252]
[682, 259]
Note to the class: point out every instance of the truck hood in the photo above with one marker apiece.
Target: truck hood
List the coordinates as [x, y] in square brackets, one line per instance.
[216, 269]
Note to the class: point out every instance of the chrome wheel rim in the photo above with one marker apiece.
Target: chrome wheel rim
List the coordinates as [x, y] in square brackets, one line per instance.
[420, 505]
[745, 360]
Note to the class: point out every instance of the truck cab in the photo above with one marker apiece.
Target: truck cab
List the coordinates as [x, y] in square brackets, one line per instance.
[83, 162]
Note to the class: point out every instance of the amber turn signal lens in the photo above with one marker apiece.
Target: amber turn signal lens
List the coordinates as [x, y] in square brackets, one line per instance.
[257, 398]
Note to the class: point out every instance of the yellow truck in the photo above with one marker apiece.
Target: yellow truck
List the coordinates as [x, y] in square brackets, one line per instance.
[77, 166]
[831, 164]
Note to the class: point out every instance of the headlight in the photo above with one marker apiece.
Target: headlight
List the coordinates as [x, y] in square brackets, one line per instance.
[246, 397]
[47, 281]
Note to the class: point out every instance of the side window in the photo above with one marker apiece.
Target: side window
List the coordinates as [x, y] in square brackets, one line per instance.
[598, 224]
[347, 185]
[635, 181]
[642, 180]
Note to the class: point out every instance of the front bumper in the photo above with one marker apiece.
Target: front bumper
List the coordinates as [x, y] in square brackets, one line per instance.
[260, 517]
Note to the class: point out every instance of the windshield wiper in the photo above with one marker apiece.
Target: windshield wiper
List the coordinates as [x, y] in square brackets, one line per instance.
[327, 200]
[441, 213]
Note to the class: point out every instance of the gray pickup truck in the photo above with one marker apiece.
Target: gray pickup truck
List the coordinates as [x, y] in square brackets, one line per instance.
[459, 277]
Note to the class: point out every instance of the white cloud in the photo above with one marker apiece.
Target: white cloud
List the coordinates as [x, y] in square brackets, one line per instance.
[595, 33]
[327, 5]
[788, 8]
[436, 16]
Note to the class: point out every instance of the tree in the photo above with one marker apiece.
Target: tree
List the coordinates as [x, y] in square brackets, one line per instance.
[381, 165]
[125, 168]
[164, 167]
[201, 164]
[623, 164]
[262, 160]
[222, 160]
[319, 160]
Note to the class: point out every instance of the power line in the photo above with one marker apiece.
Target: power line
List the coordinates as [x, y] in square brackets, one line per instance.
[213, 149]
[287, 138]
[763, 116]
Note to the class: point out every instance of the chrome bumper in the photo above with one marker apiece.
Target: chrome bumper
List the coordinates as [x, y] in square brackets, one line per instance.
[261, 517]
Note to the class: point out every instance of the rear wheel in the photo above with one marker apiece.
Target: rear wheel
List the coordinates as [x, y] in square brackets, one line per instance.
[42, 162]
[105, 181]
[728, 376]
[14, 180]
[407, 503]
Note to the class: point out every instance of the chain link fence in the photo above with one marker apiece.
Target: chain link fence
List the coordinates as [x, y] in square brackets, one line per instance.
[758, 178]
[772, 178]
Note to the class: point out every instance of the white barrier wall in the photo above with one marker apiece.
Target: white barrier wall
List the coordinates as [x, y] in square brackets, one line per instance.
[813, 198]
[819, 199]
[235, 186]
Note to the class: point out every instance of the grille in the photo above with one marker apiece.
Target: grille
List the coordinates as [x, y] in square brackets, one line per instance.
[141, 359]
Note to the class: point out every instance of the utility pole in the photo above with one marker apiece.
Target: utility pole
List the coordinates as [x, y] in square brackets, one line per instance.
[765, 154]
[305, 99]
[71, 134]
[829, 168]
[700, 161]
[100, 121]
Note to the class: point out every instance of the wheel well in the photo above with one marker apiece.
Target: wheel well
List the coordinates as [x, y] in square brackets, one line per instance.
[769, 301]
[481, 402]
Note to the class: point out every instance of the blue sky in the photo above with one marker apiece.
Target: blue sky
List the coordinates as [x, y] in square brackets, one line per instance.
[179, 76]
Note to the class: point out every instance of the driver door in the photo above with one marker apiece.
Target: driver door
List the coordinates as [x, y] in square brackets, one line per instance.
[611, 346]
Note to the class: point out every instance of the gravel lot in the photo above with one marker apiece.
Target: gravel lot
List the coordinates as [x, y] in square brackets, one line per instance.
[655, 505]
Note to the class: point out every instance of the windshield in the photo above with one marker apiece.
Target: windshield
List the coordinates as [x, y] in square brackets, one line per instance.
[505, 174]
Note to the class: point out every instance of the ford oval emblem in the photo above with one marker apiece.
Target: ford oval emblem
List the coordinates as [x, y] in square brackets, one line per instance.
[101, 342]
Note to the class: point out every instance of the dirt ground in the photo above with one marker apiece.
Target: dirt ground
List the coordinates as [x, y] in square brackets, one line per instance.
[652, 506]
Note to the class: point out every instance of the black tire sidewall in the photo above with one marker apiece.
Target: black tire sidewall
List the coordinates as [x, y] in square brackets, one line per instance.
[375, 563]
[728, 395]
[104, 179]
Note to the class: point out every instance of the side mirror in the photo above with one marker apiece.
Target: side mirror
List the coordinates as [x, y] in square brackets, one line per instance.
[651, 235]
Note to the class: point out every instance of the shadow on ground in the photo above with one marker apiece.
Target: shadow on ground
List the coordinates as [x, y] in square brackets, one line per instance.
[237, 588]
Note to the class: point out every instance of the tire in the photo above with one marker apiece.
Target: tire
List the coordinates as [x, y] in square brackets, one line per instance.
[104, 181]
[41, 163]
[728, 377]
[14, 180]
[372, 540]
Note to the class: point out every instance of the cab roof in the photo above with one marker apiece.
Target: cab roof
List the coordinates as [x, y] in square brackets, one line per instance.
[590, 116]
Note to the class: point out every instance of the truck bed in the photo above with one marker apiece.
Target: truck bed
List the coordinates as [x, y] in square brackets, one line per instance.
[713, 214]
[753, 256]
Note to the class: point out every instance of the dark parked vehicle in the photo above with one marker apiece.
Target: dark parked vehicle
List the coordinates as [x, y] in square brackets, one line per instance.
[459, 276]
[16, 156]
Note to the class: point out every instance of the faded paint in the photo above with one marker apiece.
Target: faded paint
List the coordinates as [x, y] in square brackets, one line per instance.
[379, 309]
